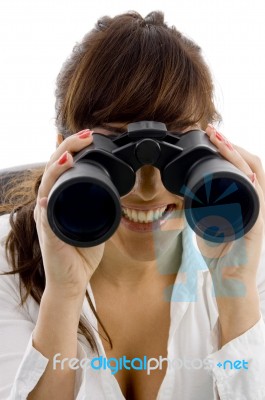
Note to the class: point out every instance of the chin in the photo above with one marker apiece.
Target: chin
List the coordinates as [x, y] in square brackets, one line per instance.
[145, 247]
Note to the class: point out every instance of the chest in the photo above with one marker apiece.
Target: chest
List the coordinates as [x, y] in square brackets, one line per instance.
[139, 334]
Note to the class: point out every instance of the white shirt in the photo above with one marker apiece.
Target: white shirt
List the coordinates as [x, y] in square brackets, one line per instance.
[193, 342]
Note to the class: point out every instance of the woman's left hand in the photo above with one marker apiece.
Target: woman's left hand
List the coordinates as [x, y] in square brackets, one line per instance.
[233, 265]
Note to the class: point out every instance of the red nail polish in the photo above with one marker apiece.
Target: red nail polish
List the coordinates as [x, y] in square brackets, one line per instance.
[253, 177]
[219, 136]
[84, 134]
[64, 157]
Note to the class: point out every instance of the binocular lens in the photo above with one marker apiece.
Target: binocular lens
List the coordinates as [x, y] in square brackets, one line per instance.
[84, 207]
[84, 212]
[221, 209]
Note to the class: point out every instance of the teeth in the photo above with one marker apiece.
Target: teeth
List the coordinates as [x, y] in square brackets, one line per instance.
[143, 216]
[134, 216]
[150, 216]
[156, 214]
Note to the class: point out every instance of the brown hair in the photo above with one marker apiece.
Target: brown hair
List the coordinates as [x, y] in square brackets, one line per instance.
[128, 68]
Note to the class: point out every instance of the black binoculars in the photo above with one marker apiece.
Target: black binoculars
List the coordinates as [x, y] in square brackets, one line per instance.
[84, 209]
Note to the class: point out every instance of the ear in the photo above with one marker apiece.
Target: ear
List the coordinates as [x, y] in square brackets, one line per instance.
[59, 139]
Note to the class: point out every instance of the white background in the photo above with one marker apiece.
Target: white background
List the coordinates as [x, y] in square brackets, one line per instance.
[36, 36]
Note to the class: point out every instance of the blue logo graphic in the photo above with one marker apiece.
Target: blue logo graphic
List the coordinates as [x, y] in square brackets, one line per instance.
[209, 214]
[237, 364]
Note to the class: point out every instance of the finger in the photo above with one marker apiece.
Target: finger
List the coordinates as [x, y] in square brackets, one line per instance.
[228, 151]
[261, 195]
[45, 233]
[72, 144]
[69, 146]
[243, 160]
[253, 161]
[255, 164]
[52, 173]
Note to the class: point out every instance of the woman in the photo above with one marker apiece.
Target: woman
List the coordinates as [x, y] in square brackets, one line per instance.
[146, 294]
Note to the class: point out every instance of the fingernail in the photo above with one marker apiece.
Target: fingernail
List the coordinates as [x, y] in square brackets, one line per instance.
[219, 136]
[252, 177]
[84, 134]
[64, 157]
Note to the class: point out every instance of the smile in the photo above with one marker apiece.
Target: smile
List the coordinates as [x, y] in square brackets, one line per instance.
[147, 216]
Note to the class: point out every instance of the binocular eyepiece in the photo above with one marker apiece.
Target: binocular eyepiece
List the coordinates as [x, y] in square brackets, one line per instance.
[84, 209]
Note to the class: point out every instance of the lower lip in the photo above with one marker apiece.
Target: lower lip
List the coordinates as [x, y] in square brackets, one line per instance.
[149, 226]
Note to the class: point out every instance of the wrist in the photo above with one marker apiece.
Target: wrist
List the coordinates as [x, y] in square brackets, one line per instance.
[63, 300]
[68, 293]
[233, 282]
[238, 314]
[56, 330]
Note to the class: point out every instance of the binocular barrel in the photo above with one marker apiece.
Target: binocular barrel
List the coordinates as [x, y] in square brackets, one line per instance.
[84, 208]
[221, 204]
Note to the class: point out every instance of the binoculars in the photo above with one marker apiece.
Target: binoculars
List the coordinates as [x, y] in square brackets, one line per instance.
[220, 202]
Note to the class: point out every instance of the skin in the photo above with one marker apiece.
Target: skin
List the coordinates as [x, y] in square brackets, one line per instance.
[133, 269]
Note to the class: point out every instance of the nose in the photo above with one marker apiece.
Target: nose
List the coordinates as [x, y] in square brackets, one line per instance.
[148, 183]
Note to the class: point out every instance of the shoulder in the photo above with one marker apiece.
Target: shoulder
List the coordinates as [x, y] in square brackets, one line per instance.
[11, 287]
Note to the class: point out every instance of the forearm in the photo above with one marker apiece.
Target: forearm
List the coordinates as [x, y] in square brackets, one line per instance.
[238, 314]
[56, 332]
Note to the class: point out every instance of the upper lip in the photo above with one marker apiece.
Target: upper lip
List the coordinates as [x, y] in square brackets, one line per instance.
[146, 208]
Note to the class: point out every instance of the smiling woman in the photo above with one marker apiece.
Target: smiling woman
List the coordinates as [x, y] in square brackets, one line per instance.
[145, 293]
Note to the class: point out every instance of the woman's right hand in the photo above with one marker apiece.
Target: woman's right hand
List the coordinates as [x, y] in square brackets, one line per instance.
[68, 269]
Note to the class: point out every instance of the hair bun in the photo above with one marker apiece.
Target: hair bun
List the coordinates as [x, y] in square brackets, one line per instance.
[155, 18]
[103, 23]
